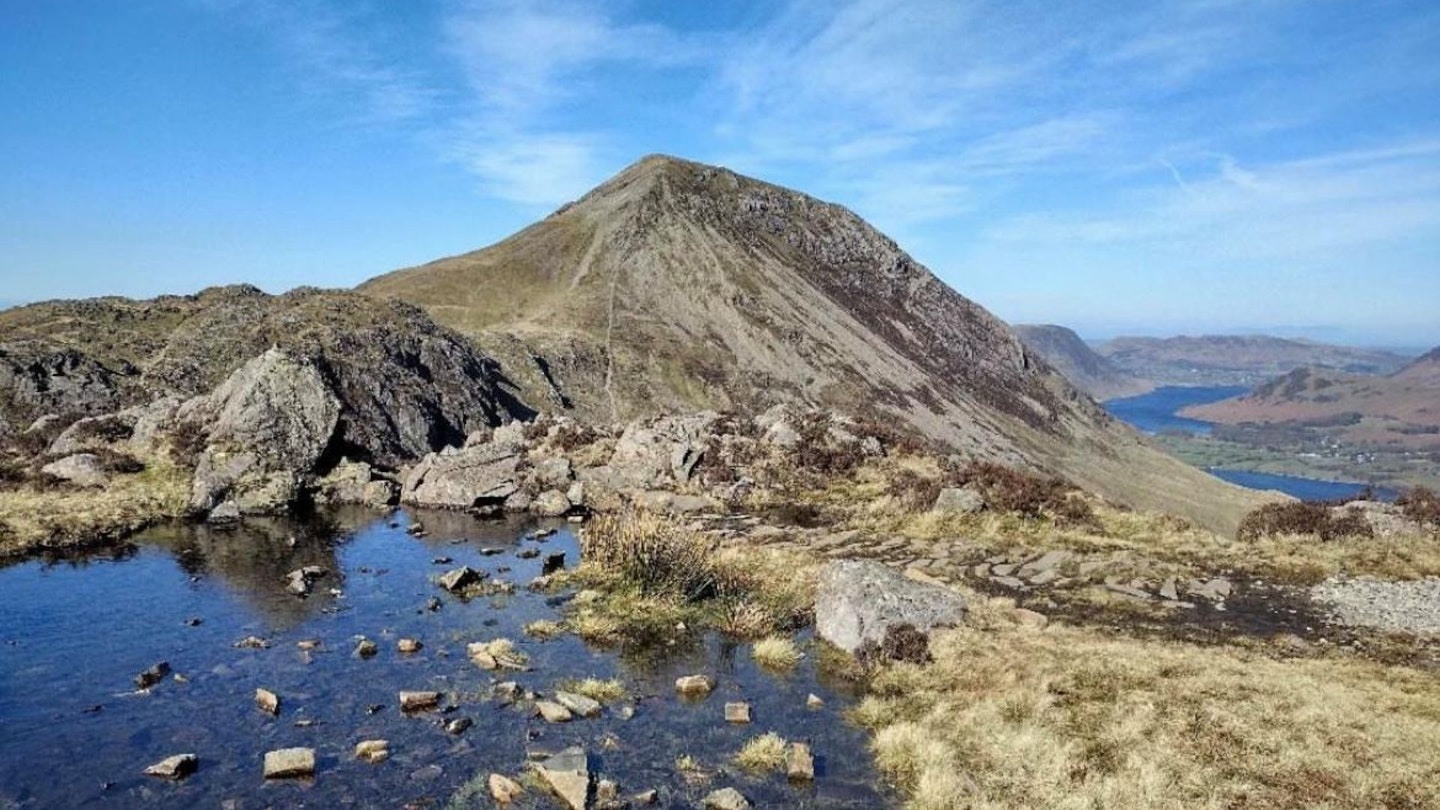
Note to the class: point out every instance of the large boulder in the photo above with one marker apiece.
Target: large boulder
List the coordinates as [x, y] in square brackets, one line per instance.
[858, 600]
[270, 423]
[478, 476]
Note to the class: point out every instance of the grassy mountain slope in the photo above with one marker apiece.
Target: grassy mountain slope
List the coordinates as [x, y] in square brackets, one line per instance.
[676, 286]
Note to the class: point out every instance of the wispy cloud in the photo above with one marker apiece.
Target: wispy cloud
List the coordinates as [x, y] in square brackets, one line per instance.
[337, 51]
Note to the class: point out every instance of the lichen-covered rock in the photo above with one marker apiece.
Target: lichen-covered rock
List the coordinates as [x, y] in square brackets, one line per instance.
[959, 500]
[483, 475]
[857, 601]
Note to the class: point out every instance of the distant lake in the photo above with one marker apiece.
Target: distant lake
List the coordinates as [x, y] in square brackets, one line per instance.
[1155, 412]
[1306, 489]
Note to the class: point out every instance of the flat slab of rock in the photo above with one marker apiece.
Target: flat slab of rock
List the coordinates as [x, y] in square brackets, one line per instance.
[474, 476]
[579, 704]
[289, 763]
[553, 712]
[857, 600]
[568, 774]
[418, 701]
[176, 767]
[737, 712]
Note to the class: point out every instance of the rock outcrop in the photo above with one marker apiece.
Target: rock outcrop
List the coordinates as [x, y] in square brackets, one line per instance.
[857, 601]
[270, 423]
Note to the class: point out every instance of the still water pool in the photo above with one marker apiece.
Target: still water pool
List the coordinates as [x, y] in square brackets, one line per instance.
[73, 635]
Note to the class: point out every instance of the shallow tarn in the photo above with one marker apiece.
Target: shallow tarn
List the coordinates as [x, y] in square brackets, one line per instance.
[75, 633]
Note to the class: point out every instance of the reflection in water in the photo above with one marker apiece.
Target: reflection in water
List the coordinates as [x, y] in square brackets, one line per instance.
[255, 560]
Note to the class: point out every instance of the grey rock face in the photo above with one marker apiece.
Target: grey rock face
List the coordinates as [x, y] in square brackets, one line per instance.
[856, 601]
[550, 503]
[475, 476]
[355, 482]
[37, 378]
[81, 469]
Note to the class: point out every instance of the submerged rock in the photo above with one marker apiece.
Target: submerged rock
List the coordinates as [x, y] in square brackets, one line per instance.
[737, 712]
[504, 789]
[726, 799]
[176, 767]
[287, 763]
[568, 774]
[857, 601]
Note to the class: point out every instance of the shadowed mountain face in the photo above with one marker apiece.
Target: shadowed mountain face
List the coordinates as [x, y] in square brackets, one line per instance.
[1073, 358]
[407, 385]
[1237, 359]
[677, 286]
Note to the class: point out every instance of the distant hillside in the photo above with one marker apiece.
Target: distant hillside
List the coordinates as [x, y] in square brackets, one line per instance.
[1400, 410]
[1073, 358]
[1237, 359]
[675, 286]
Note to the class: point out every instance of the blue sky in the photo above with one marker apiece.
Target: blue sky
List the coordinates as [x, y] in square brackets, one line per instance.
[1119, 167]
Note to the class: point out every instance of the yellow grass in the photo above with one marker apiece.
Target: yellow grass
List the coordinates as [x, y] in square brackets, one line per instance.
[544, 629]
[776, 652]
[605, 691]
[32, 519]
[763, 753]
[1070, 718]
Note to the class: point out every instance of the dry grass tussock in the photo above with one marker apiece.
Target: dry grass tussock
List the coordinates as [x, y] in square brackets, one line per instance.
[651, 573]
[605, 691]
[1067, 718]
[763, 753]
[54, 517]
[776, 652]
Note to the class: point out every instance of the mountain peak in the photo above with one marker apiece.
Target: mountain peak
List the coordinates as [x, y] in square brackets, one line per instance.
[677, 286]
